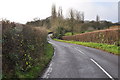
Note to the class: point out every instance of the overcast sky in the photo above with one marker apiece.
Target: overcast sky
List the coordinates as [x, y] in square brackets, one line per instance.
[25, 10]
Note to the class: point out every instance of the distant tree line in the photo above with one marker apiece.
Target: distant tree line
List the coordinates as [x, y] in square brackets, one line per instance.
[74, 23]
[40, 23]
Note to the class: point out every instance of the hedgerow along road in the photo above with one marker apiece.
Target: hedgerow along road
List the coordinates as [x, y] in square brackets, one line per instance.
[76, 61]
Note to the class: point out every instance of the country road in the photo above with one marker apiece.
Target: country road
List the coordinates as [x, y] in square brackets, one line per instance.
[76, 61]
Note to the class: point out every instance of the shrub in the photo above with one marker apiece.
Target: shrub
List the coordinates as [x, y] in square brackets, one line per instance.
[60, 31]
[22, 47]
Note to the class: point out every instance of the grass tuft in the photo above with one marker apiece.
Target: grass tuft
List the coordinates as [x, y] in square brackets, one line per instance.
[109, 48]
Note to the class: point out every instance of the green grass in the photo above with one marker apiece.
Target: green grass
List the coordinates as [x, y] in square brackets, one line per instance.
[109, 48]
[69, 34]
[37, 70]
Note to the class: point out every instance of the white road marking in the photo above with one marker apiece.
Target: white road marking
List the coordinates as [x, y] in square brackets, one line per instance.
[47, 73]
[102, 69]
[51, 43]
[49, 70]
[80, 51]
[98, 66]
[54, 48]
[54, 53]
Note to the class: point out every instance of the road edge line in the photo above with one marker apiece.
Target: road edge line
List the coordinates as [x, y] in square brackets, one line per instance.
[49, 69]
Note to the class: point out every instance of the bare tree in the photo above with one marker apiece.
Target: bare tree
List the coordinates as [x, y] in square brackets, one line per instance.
[78, 21]
[72, 18]
[60, 15]
[78, 15]
[97, 22]
[36, 19]
[53, 20]
[82, 16]
[97, 18]
[54, 13]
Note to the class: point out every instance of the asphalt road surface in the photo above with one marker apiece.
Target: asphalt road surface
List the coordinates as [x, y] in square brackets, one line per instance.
[76, 61]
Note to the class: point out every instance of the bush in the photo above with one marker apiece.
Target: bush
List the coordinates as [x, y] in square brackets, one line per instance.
[22, 48]
[60, 31]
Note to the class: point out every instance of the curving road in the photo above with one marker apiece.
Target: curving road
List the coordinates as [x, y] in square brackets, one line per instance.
[76, 61]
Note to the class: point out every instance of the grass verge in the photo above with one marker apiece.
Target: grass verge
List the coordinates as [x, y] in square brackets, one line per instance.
[70, 34]
[37, 70]
[109, 48]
